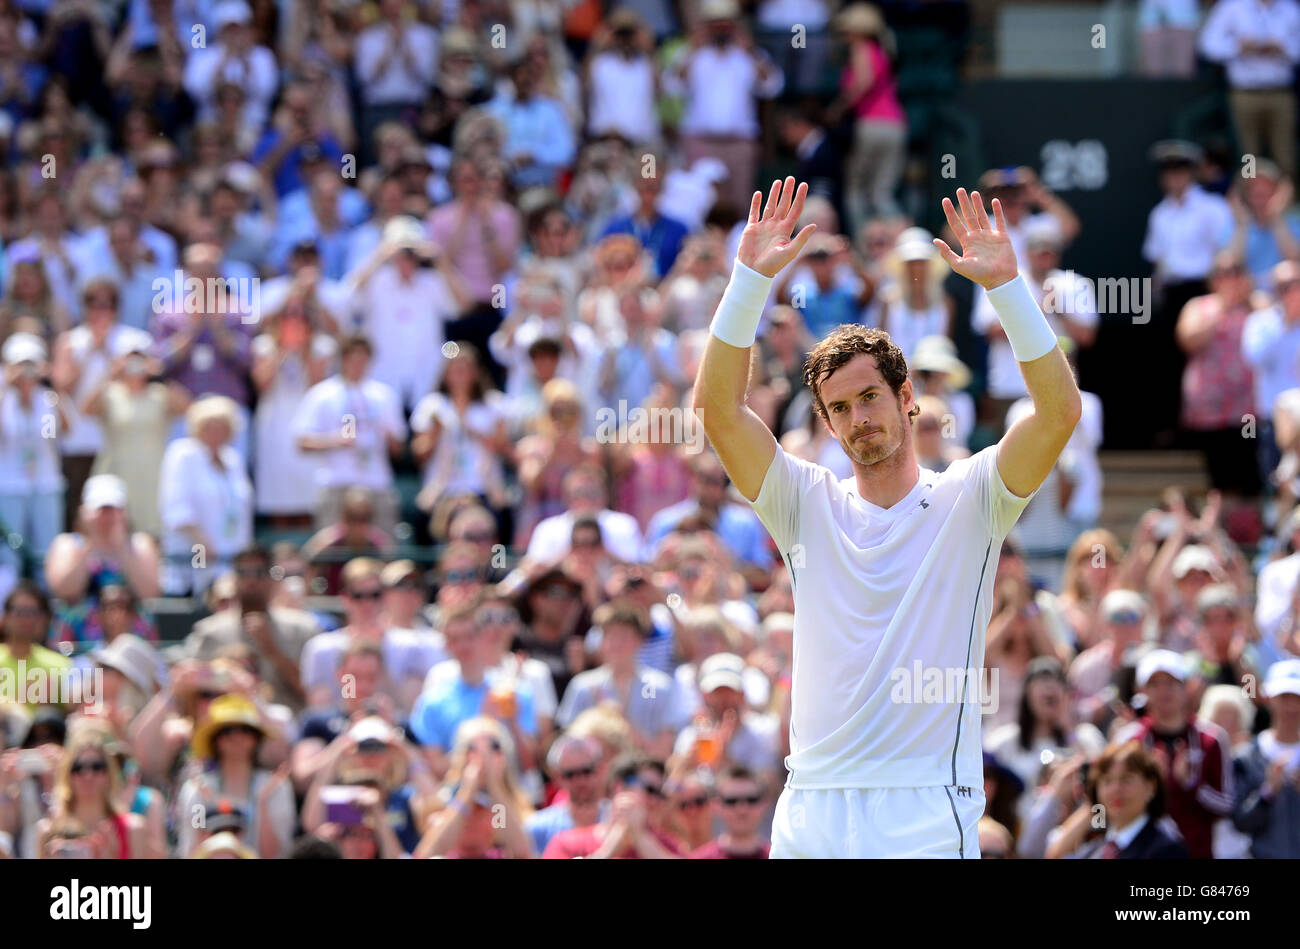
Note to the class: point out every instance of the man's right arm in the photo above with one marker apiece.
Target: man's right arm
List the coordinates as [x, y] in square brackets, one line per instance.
[745, 445]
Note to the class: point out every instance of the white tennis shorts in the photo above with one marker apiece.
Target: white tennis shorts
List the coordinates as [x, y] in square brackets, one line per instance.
[871, 823]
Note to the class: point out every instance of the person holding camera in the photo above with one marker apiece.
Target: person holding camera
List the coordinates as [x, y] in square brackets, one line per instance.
[32, 420]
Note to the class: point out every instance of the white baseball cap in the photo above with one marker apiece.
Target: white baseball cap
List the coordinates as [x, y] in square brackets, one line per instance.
[1283, 678]
[103, 490]
[23, 347]
[1160, 660]
[723, 670]
[1196, 557]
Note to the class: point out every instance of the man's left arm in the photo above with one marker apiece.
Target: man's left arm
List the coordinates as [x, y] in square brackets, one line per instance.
[1029, 450]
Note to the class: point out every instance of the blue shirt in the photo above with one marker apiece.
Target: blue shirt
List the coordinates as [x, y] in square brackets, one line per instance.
[538, 128]
[823, 310]
[1262, 252]
[662, 237]
[288, 176]
[544, 824]
[739, 528]
[438, 713]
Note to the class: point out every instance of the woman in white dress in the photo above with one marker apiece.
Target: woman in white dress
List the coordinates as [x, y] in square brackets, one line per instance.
[205, 498]
[288, 359]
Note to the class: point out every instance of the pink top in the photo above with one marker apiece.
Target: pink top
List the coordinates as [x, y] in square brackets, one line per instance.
[880, 102]
[1218, 385]
[473, 258]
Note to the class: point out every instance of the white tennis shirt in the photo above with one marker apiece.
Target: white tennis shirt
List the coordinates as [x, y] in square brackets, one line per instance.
[891, 609]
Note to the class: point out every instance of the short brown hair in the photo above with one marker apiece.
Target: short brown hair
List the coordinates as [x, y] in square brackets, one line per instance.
[841, 346]
[1130, 756]
[624, 612]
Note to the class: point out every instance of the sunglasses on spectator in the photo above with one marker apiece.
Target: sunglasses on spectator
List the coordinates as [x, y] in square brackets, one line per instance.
[250, 573]
[1125, 617]
[732, 801]
[652, 788]
[95, 767]
[236, 730]
[479, 537]
[453, 577]
[499, 617]
[492, 744]
[690, 803]
[720, 481]
[209, 694]
[572, 773]
[374, 594]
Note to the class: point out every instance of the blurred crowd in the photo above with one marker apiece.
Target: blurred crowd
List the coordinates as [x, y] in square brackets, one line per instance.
[366, 331]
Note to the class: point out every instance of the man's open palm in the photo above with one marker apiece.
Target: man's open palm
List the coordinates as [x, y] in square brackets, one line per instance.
[987, 257]
[766, 245]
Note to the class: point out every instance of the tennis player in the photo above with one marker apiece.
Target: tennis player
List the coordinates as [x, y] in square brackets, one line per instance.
[893, 567]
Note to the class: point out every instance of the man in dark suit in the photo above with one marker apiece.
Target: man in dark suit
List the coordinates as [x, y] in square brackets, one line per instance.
[819, 160]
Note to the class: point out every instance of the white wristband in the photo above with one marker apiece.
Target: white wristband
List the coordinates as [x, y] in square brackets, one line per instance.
[736, 321]
[1027, 329]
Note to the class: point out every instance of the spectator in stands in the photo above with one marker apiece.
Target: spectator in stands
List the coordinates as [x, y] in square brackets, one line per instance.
[1267, 772]
[735, 524]
[646, 695]
[539, 140]
[1221, 655]
[1128, 782]
[621, 80]
[1218, 386]
[460, 433]
[26, 626]
[721, 77]
[355, 534]
[868, 93]
[455, 699]
[408, 655]
[585, 494]
[1167, 35]
[102, 552]
[1184, 233]
[1270, 344]
[483, 810]
[136, 414]
[1259, 45]
[1267, 230]
[298, 122]
[395, 63]
[1026, 200]
[545, 458]
[354, 423]
[636, 825]
[821, 291]
[405, 296]
[1097, 674]
[276, 636]
[480, 235]
[84, 359]
[205, 498]
[88, 790]
[1044, 727]
[738, 803]
[913, 304]
[32, 422]
[577, 767]
[661, 236]
[725, 733]
[1194, 759]
[226, 743]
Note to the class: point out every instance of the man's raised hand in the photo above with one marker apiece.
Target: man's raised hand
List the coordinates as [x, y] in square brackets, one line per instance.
[987, 257]
[766, 245]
